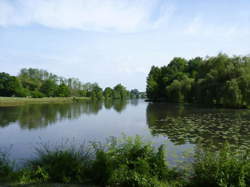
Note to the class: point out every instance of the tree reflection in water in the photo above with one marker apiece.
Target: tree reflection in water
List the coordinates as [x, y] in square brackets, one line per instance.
[42, 115]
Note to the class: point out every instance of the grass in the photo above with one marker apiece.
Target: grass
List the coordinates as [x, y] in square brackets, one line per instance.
[129, 162]
[15, 101]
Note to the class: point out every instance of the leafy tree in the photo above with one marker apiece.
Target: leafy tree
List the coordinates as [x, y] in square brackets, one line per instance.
[48, 88]
[108, 92]
[9, 85]
[120, 92]
[134, 93]
[96, 92]
[62, 91]
[219, 80]
[153, 83]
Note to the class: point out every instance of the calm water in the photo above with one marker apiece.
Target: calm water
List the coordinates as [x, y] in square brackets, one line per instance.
[179, 127]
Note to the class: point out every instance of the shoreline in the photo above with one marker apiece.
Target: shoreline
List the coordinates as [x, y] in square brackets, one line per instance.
[17, 101]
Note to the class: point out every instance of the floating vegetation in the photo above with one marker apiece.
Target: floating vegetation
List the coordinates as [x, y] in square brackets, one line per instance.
[206, 127]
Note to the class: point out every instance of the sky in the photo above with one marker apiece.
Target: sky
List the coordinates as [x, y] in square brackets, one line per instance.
[117, 41]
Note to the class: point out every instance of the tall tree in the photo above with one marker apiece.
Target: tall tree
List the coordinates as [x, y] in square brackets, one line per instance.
[9, 85]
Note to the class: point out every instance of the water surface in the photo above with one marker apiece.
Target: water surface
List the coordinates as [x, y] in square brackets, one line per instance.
[180, 127]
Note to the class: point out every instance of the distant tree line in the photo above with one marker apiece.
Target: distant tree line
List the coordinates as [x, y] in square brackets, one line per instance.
[219, 80]
[38, 83]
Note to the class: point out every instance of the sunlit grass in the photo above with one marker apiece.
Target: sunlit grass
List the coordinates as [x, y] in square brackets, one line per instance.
[15, 101]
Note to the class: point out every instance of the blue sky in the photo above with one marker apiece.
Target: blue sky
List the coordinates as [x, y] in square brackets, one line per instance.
[117, 41]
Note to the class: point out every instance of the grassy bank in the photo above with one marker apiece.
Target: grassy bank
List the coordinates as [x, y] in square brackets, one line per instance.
[128, 162]
[15, 101]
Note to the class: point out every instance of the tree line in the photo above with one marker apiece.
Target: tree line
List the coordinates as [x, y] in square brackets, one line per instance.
[219, 80]
[39, 83]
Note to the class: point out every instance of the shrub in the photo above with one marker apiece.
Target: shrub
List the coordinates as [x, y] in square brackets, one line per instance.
[63, 165]
[130, 162]
[221, 168]
[6, 168]
[35, 175]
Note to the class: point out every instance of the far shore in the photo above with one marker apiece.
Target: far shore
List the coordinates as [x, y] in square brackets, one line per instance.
[15, 101]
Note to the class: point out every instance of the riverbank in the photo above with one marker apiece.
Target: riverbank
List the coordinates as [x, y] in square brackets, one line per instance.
[15, 101]
[128, 162]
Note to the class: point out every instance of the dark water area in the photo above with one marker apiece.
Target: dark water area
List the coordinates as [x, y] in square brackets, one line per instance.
[179, 127]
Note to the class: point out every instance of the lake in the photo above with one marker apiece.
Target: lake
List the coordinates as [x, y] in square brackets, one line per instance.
[180, 127]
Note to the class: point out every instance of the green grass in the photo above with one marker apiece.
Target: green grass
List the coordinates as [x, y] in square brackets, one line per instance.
[129, 162]
[15, 101]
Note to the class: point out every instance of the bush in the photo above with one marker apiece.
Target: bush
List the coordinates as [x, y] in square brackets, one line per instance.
[6, 168]
[221, 168]
[34, 175]
[130, 162]
[62, 165]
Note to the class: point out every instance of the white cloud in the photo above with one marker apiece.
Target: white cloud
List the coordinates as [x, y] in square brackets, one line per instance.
[198, 26]
[104, 15]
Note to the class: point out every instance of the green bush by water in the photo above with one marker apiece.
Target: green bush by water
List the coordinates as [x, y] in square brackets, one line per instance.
[6, 168]
[221, 168]
[129, 162]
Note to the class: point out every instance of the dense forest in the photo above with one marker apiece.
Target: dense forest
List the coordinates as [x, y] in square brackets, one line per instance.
[220, 80]
[38, 83]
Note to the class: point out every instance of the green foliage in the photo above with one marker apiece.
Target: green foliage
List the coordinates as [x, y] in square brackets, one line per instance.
[6, 168]
[219, 80]
[107, 93]
[34, 175]
[48, 88]
[221, 168]
[62, 90]
[9, 85]
[63, 165]
[120, 92]
[38, 83]
[131, 162]
[134, 94]
[96, 92]
[37, 94]
[154, 89]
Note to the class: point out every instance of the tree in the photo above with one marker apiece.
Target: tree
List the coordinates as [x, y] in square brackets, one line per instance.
[153, 83]
[134, 93]
[108, 92]
[48, 88]
[62, 91]
[120, 92]
[9, 85]
[96, 92]
[219, 80]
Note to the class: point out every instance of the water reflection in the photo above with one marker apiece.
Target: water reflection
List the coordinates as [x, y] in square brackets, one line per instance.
[40, 116]
[186, 124]
[181, 124]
